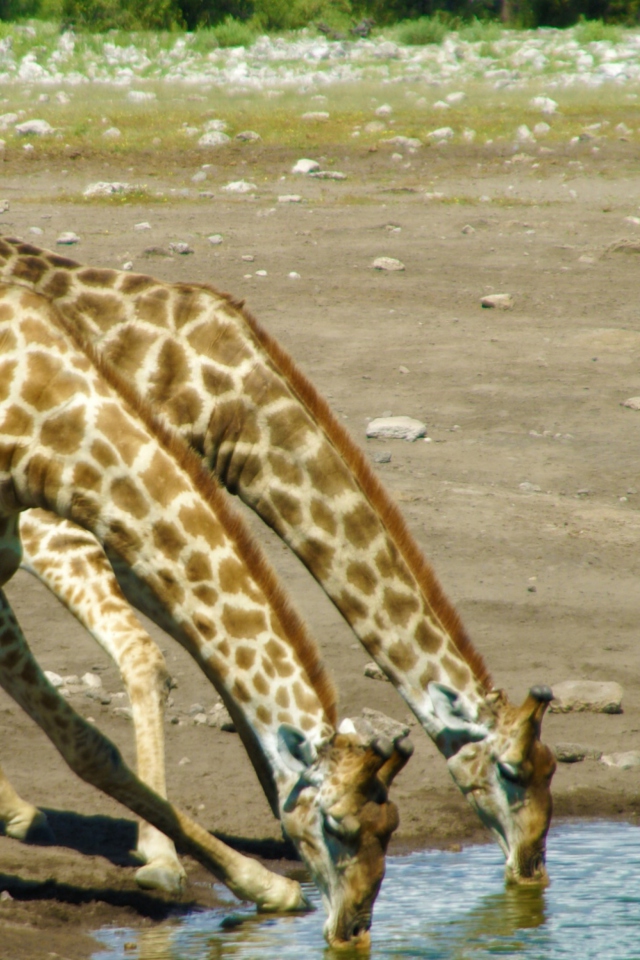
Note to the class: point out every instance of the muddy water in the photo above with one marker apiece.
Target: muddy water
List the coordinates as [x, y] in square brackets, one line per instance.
[444, 906]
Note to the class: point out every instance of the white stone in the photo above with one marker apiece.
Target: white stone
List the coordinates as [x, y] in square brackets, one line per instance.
[387, 263]
[541, 129]
[543, 104]
[248, 136]
[68, 238]
[624, 760]
[524, 135]
[317, 116]
[143, 225]
[501, 301]
[140, 96]
[180, 247]
[35, 128]
[199, 177]
[411, 143]
[578, 696]
[91, 680]
[289, 198]
[215, 126]
[442, 133]
[328, 175]
[396, 428]
[54, 678]
[441, 105]
[375, 126]
[239, 186]
[293, 275]
[305, 166]
[457, 97]
[373, 671]
[385, 110]
[215, 138]
[112, 133]
[104, 188]
[633, 403]
[215, 239]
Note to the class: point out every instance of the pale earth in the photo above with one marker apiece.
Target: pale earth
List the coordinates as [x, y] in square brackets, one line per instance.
[525, 499]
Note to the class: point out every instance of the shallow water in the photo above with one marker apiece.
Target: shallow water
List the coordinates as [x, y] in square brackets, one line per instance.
[444, 906]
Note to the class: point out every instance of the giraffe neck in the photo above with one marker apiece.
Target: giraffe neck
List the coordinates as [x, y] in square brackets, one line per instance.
[69, 444]
[214, 375]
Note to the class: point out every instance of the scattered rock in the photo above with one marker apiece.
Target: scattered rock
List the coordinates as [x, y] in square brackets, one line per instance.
[34, 128]
[290, 198]
[578, 696]
[219, 717]
[501, 301]
[239, 186]
[248, 136]
[575, 753]
[305, 166]
[92, 681]
[390, 264]
[373, 671]
[410, 143]
[623, 246]
[143, 225]
[68, 238]
[468, 230]
[215, 138]
[396, 428]
[633, 403]
[111, 133]
[624, 761]
[215, 239]
[180, 247]
[544, 105]
[384, 110]
[442, 133]
[316, 116]
[328, 175]
[140, 96]
[382, 458]
[374, 723]
[54, 678]
[104, 188]
[125, 713]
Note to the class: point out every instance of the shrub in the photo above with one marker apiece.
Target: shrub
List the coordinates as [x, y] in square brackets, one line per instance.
[101, 15]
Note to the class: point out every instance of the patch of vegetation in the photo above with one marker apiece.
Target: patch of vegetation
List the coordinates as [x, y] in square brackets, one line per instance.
[590, 31]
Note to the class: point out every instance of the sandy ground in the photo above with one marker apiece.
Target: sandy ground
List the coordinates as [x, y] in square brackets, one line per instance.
[545, 575]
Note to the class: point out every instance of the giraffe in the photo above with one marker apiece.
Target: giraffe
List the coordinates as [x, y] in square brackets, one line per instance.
[75, 441]
[217, 378]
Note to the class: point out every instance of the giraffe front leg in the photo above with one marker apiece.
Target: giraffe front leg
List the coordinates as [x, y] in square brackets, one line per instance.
[71, 563]
[95, 758]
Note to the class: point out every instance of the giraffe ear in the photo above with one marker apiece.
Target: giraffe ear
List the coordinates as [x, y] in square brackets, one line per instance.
[296, 750]
[455, 712]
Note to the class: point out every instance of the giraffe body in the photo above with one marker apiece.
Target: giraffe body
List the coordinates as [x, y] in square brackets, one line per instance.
[217, 378]
[72, 443]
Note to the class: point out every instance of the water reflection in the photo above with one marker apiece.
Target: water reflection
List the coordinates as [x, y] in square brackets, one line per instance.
[440, 906]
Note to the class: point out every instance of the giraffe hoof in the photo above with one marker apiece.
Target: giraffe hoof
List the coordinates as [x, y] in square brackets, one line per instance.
[168, 877]
[34, 830]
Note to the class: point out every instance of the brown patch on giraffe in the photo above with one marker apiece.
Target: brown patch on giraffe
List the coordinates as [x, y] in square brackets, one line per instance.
[197, 520]
[44, 475]
[170, 587]
[265, 716]
[6, 312]
[285, 469]
[234, 578]
[103, 309]
[323, 516]
[318, 556]
[291, 432]
[87, 477]
[185, 407]
[287, 507]
[7, 367]
[117, 426]
[351, 606]
[224, 649]
[218, 341]
[245, 657]
[400, 606]
[284, 717]
[304, 698]
[215, 380]
[57, 285]
[16, 422]
[205, 627]
[100, 277]
[47, 383]
[64, 263]
[402, 655]
[240, 691]
[171, 372]
[361, 526]
[279, 657]
[198, 567]
[127, 496]
[104, 454]
[260, 684]
[282, 697]
[392, 567]
[132, 283]
[162, 481]
[361, 576]
[129, 350]
[427, 638]
[65, 433]
[168, 539]
[306, 723]
[123, 540]
[205, 594]
[264, 388]
[29, 269]
[431, 673]
[243, 624]
[231, 420]
[459, 673]
[268, 667]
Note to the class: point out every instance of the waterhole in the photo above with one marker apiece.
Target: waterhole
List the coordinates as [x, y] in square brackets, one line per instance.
[442, 906]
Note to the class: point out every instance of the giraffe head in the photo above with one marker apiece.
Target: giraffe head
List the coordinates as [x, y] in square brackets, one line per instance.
[496, 757]
[340, 819]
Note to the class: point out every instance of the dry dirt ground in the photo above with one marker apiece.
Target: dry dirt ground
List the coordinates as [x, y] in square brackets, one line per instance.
[545, 575]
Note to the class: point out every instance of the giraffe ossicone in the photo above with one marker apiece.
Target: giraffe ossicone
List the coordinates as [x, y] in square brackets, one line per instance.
[218, 379]
[74, 440]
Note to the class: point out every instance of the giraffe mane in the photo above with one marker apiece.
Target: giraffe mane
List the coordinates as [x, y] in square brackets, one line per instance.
[294, 627]
[375, 492]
